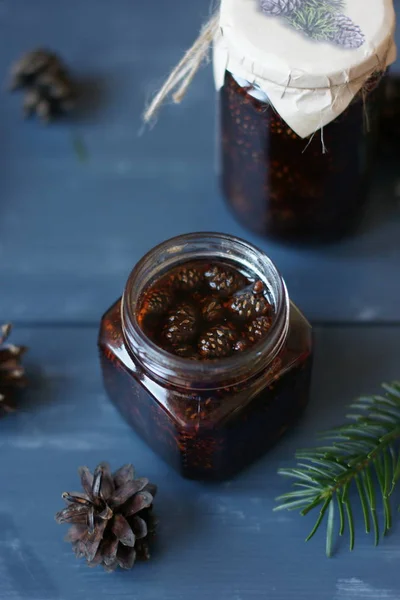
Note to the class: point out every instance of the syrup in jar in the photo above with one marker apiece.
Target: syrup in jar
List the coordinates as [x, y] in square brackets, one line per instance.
[205, 355]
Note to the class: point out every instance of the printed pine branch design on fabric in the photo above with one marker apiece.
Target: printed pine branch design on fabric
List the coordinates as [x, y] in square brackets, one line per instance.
[320, 20]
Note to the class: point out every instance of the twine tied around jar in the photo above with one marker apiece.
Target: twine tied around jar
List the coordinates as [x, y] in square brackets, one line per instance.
[181, 77]
[184, 72]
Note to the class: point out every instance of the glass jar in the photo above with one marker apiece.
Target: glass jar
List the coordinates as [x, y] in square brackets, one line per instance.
[302, 190]
[208, 419]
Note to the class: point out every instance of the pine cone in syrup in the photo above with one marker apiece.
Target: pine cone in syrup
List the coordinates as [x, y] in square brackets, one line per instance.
[188, 279]
[223, 280]
[217, 342]
[212, 309]
[181, 324]
[257, 329]
[157, 302]
[249, 303]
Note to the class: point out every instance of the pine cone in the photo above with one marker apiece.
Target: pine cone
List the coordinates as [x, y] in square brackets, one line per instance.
[112, 520]
[181, 324]
[217, 342]
[157, 302]
[347, 33]
[50, 91]
[12, 374]
[224, 281]
[212, 309]
[280, 7]
[188, 280]
[258, 329]
[249, 303]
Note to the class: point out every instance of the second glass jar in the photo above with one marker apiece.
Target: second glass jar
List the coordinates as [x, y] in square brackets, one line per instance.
[301, 190]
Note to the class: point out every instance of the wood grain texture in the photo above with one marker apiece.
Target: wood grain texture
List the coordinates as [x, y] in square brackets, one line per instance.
[70, 232]
[215, 541]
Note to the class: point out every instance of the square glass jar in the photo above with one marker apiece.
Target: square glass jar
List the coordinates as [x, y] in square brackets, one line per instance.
[209, 419]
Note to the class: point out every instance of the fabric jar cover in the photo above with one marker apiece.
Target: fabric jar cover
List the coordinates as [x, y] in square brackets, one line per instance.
[308, 58]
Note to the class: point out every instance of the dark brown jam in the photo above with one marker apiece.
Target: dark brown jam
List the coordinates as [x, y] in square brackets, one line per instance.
[202, 315]
[302, 190]
[206, 311]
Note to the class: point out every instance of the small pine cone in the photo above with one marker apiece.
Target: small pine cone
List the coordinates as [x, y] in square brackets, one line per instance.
[280, 7]
[257, 329]
[12, 374]
[181, 324]
[248, 303]
[346, 33]
[112, 520]
[156, 302]
[224, 280]
[212, 309]
[50, 91]
[217, 342]
[188, 280]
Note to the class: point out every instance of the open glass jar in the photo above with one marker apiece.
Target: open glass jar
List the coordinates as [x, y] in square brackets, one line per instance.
[208, 418]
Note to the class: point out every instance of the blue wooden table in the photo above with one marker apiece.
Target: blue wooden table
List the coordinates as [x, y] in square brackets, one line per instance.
[69, 234]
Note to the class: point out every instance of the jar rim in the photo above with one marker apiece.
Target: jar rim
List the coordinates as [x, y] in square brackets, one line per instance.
[180, 371]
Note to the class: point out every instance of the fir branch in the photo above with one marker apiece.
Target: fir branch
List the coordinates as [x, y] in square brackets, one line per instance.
[360, 456]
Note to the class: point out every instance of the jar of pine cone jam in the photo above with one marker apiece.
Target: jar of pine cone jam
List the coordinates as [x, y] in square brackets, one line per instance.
[299, 92]
[205, 355]
[281, 185]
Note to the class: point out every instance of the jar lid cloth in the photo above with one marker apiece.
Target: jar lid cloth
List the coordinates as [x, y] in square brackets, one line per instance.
[308, 58]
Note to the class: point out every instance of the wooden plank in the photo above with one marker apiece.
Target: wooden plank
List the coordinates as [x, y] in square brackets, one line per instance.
[70, 232]
[215, 541]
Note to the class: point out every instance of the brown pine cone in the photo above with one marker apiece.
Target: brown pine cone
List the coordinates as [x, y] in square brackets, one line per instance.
[12, 374]
[212, 309]
[249, 303]
[50, 90]
[157, 302]
[257, 329]
[188, 279]
[217, 342]
[223, 280]
[112, 520]
[181, 324]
